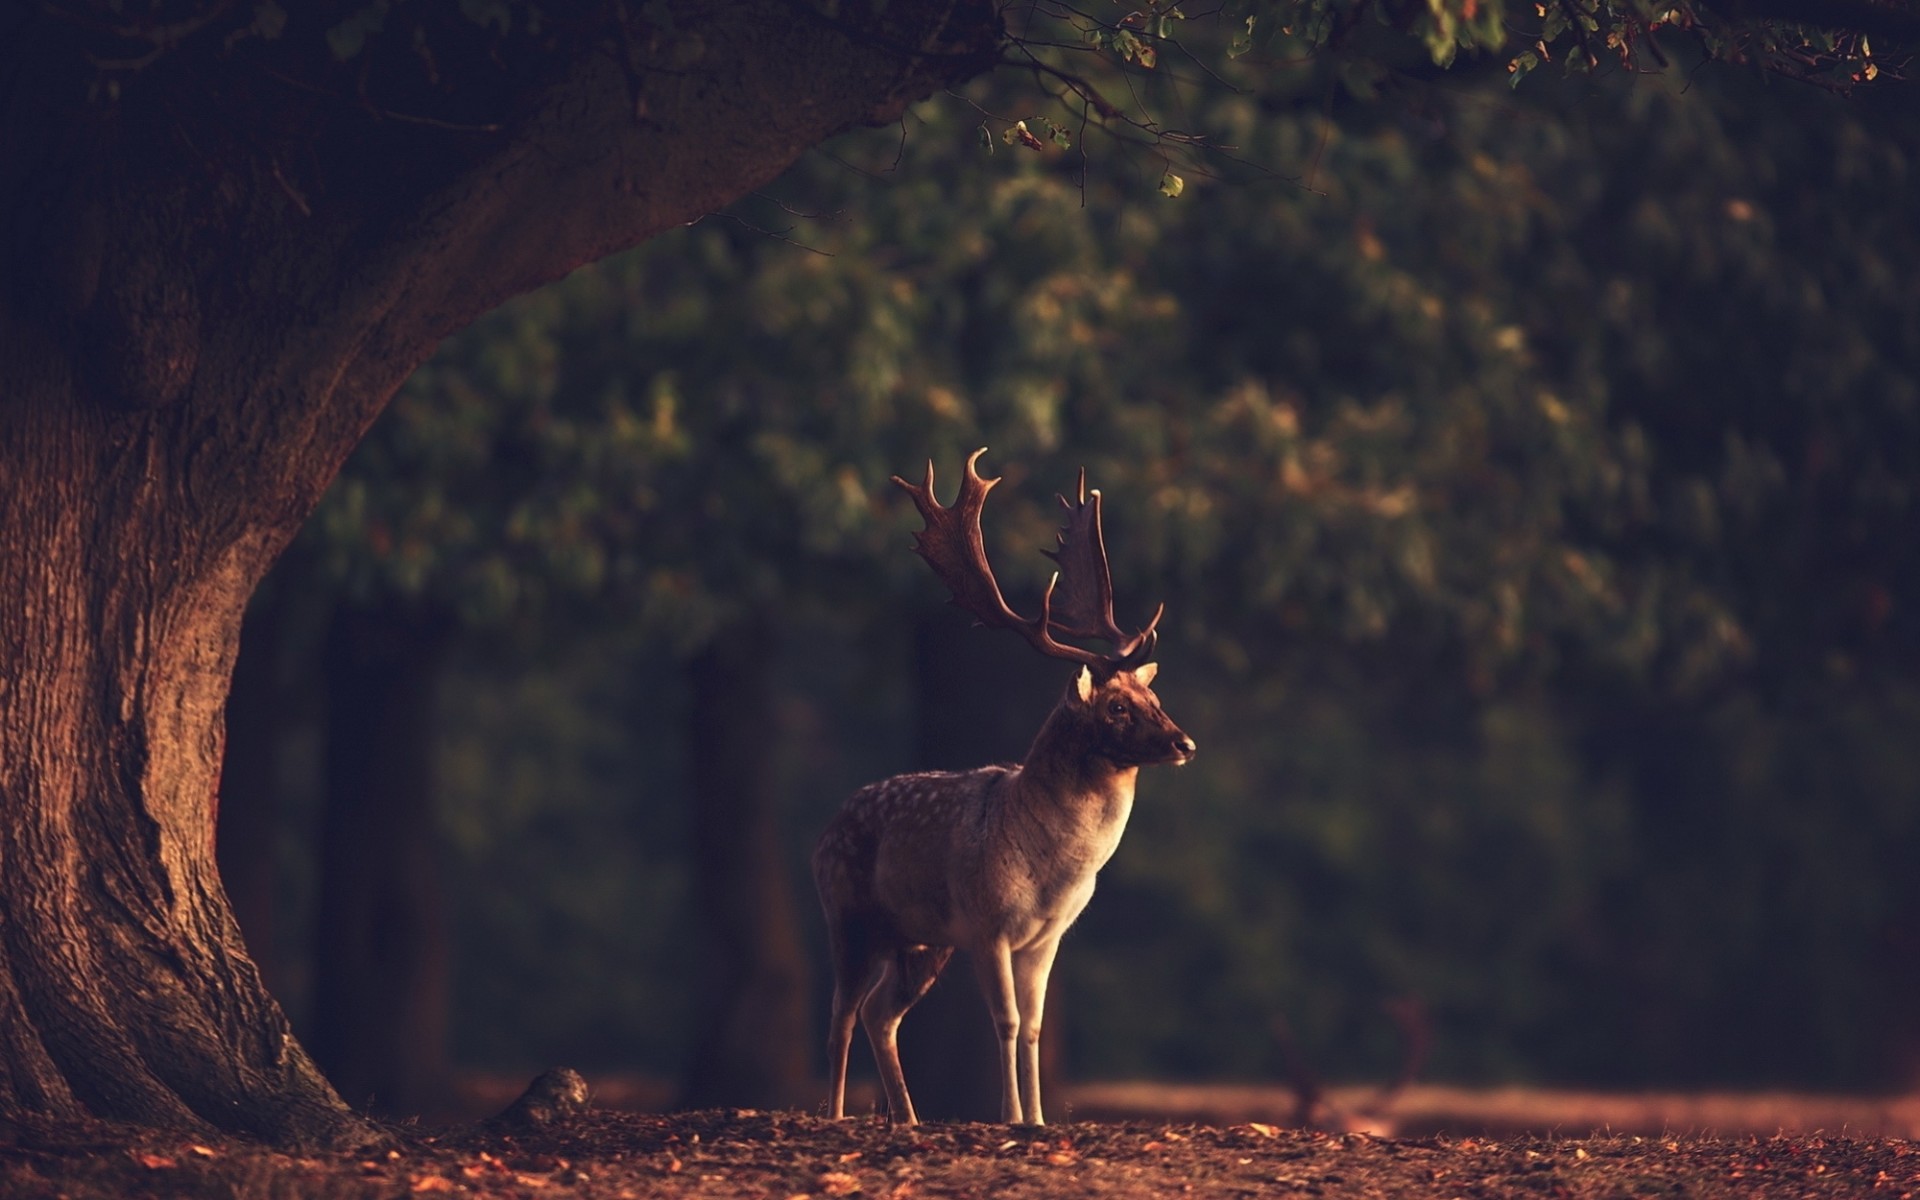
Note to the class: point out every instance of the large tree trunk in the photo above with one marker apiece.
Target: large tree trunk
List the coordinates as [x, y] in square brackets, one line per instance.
[380, 954]
[224, 252]
[125, 989]
[755, 1046]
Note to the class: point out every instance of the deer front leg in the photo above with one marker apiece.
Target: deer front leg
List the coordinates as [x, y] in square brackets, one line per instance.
[994, 965]
[1031, 967]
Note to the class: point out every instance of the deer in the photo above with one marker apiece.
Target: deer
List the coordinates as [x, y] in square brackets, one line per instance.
[998, 861]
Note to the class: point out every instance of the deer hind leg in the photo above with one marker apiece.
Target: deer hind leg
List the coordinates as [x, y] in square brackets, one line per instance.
[856, 973]
[1031, 968]
[846, 1010]
[993, 964]
[904, 979]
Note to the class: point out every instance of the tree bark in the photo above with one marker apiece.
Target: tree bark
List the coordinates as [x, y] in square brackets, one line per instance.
[223, 254]
[125, 989]
[755, 1045]
[381, 959]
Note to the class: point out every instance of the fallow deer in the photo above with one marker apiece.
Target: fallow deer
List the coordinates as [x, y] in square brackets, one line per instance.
[997, 861]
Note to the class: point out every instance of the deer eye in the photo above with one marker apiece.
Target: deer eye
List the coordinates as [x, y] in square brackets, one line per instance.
[1117, 708]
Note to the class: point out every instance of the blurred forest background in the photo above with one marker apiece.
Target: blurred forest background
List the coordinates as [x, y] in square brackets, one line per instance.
[1530, 476]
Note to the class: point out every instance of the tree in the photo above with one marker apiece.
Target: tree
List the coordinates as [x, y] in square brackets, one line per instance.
[236, 231]
[231, 250]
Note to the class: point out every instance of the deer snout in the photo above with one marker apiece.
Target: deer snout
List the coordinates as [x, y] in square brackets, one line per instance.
[1182, 748]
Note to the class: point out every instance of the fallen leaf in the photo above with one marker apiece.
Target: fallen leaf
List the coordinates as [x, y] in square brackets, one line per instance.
[850, 1155]
[432, 1183]
[838, 1183]
[203, 1151]
[155, 1162]
[1063, 1158]
[1264, 1130]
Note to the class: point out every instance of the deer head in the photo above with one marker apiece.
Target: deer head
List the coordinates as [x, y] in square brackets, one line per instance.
[1114, 709]
[1122, 722]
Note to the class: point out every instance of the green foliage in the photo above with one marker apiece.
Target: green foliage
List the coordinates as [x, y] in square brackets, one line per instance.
[1442, 28]
[1528, 479]
[1102, 63]
[1582, 34]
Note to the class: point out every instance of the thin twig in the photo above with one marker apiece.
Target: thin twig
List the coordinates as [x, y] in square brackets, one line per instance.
[1080, 85]
[766, 233]
[791, 211]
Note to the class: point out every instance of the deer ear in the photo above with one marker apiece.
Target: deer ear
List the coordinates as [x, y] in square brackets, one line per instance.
[1083, 686]
[1145, 673]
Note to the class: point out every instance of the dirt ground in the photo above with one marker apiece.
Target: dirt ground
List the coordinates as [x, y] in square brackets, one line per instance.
[604, 1155]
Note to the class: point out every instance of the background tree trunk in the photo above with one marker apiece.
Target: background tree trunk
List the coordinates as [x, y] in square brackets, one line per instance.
[979, 699]
[381, 954]
[248, 831]
[755, 1047]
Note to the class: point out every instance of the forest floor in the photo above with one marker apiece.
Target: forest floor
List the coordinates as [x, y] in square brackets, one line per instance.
[611, 1155]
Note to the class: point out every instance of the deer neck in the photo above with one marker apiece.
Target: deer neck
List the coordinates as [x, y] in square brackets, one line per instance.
[1062, 770]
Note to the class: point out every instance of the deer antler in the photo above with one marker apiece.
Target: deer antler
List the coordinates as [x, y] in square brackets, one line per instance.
[1083, 604]
[953, 546]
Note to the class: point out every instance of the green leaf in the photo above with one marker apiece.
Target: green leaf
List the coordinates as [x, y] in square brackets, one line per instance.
[269, 19]
[1442, 26]
[1242, 40]
[349, 37]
